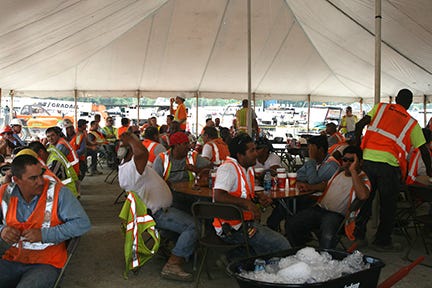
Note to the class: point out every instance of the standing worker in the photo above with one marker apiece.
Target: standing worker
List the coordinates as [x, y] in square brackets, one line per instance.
[180, 114]
[241, 123]
[348, 122]
[390, 135]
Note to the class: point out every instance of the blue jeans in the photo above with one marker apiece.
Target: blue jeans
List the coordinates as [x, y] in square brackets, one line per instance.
[16, 274]
[264, 241]
[178, 221]
[300, 225]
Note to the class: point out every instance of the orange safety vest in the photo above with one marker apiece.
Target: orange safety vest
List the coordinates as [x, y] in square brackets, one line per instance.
[37, 252]
[121, 130]
[72, 156]
[390, 131]
[75, 142]
[150, 145]
[179, 113]
[191, 158]
[100, 138]
[220, 151]
[243, 191]
[413, 166]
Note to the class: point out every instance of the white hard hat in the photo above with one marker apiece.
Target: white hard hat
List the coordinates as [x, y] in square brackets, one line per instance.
[15, 121]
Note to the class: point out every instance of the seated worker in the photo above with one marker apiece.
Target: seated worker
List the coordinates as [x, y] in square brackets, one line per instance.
[180, 164]
[332, 207]
[333, 136]
[58, 164]
[214, 149]
[7, 141]
[34, 244]
[319, 168]
[151, 142]
[266, 158]
[95, 142]
[110, 134]
[155, 193]
[234, 184]
[16, 126]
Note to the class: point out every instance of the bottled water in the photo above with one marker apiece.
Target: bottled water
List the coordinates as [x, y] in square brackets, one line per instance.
[267, 183]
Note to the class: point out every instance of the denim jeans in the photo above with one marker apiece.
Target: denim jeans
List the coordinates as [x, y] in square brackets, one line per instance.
[264, 241]
[300, 225]
[16, 274]
[178, 221]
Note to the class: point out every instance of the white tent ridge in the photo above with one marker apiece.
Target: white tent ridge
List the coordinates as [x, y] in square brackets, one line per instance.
[159, 48]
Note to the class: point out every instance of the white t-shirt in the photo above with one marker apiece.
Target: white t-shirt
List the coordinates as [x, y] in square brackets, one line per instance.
[338, 194]
[271, 161]
[226, 178]
[152, 189]
[207, 151]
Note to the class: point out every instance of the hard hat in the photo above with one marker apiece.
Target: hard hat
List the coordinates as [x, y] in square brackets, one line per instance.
[67, 123]
[15, 121]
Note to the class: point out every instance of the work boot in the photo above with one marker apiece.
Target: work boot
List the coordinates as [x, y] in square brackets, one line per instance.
[173, 270]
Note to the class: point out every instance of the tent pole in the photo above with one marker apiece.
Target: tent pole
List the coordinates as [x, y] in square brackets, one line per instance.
[424, 109]
[197, 96]
[76, 107]
[361, 107]
[1, 107]
[377, 96]
[309, 107]
[249, 114]
[11, 94]
[137, 93]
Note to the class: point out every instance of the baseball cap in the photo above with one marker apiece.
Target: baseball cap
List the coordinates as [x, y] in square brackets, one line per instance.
[82, 122]
[178, 138]
[15, 121]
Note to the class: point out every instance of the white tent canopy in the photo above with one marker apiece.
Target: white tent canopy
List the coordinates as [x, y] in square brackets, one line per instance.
[161, 48]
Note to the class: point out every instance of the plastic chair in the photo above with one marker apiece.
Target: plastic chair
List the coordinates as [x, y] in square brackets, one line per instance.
[419, 196]
[204, 212]
[71, 245]
[349, 218]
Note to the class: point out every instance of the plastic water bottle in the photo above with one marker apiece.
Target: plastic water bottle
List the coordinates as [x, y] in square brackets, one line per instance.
[267, 182]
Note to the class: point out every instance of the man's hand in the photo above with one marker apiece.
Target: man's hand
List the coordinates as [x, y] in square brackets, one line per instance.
[354, 165]
[264, 200]
[303, 187]
[32, 235]
[254, 209]
[11, 235]
[126, 138]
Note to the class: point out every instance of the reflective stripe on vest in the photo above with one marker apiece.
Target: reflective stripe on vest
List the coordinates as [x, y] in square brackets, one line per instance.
[47, 219]
[398, 140]
[216, 155]
[73, 158]
[413, 166]
[55, 154]
[151, 146]
[133, 225]
[243, 191]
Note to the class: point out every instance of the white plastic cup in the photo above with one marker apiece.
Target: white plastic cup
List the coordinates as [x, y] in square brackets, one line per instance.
[258, 171]
[281, 181]
[280, 170]
[292, 180]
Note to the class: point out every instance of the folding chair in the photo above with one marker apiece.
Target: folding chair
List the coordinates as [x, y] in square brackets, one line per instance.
[204, 212]
[419, 196]
[350, 218]
[71, 245]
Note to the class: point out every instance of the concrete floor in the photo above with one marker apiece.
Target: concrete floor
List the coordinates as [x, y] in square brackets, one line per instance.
[99, 261]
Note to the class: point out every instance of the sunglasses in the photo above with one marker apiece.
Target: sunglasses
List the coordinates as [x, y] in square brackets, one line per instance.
[346, 159]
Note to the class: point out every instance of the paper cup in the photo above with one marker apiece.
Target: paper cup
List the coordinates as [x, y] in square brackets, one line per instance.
[281, 181]
[280, 170]
[292, 179]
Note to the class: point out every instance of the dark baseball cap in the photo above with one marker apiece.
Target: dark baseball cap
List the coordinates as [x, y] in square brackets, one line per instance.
[82, 122]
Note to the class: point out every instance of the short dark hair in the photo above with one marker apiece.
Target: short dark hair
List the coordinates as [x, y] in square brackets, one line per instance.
[208, 119]
[170, 116]
[353, 150]
[37, 146]
[320, 141]
[151, 132]
[404, 98]
[20, 163]
[238, 144]
[125, 121]
[53, 129]
[211, 132]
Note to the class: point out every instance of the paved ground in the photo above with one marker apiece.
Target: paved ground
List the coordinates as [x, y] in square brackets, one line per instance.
[99, 260]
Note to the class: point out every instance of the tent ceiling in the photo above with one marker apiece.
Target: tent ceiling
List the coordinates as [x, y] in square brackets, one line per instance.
[299, 48]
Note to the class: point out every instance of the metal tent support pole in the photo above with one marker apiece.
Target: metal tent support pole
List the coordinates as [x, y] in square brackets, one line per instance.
[377, 96]
[76, 107]
[249, 114]
[197, 96]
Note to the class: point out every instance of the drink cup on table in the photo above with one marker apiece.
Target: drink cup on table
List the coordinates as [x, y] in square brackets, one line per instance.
[292, 180]
[258, 175]
[281, 176]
